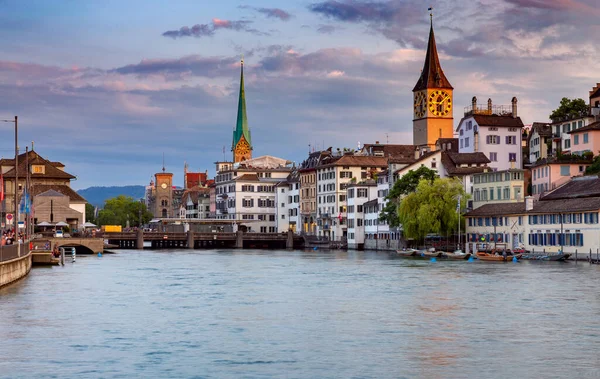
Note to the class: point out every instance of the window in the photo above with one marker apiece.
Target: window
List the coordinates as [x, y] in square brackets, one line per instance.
[585, 138]
[361, 192]
[494, 157]
[512, 157]
[492, 140]
[567, 144]
[511, 140]
[271, 217]
[467, 142]
[576, 139]
[564, 170]
[283, 217]
[462, 143]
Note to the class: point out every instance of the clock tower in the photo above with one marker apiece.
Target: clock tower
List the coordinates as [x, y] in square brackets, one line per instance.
[163, 194]
[242, 142]
[433, 103]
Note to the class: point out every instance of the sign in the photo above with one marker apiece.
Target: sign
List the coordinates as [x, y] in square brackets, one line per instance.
[9, 218]
[21, 224]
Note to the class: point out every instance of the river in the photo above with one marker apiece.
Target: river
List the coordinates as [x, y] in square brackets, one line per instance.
[294, 314]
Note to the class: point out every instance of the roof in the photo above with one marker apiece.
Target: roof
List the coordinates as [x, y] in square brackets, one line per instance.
[358, 160]
[432, 75]
[389, 151]
[595, 92]
[468, 158]
[370, 203]
[582, 187]
[50, 189]
[453, 161]
[542, 129]
[241, 127]
[592, 126]
[442, 144]
[248, 178]
[33, 158]
[500, 121]
[567, 159]
[540, 207]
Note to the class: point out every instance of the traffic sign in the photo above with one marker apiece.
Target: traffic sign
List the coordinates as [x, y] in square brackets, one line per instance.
[9, 216]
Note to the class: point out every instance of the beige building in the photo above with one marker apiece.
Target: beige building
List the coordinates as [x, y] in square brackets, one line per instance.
[493, 187]
[308, 190]
[53, 200]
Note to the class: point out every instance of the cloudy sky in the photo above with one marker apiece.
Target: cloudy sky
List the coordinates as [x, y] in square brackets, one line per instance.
[107, 87]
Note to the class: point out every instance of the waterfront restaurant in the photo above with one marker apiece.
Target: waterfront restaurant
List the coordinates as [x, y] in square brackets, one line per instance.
[566, 218]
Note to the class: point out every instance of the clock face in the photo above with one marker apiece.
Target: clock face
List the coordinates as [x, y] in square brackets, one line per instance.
[243, 147]
[440, 103]
[164, 185]
[420, 106]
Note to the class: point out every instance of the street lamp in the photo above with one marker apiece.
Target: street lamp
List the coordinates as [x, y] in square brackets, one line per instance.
[16, 216]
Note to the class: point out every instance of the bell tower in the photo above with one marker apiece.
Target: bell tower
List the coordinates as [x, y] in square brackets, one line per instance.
[242, 142]
[433, 102]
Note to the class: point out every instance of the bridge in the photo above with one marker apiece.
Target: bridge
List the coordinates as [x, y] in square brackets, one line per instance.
[81, 245]
[195, 240]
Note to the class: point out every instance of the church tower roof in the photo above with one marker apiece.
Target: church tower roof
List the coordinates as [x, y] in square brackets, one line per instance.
[241, 127]
[432, 75]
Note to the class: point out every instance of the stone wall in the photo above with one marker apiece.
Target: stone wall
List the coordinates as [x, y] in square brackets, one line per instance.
[15, 269]
[383, 244]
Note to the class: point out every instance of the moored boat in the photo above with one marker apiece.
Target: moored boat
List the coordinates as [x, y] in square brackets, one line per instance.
[496, 257]
[407, 252]
[457, 254]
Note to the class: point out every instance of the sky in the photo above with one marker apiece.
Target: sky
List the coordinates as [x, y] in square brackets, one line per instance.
[109, 87]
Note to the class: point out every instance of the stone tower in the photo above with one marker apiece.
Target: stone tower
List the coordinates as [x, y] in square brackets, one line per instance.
[163, 201]
[433, 101]
[242, 142]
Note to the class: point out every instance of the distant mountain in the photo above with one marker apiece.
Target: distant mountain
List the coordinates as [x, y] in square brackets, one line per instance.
[97, 195]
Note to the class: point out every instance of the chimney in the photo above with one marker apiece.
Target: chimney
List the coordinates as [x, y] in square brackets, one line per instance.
[514, 107]
[528, 203]
[489, 106]
[417, 153]
[474, 104]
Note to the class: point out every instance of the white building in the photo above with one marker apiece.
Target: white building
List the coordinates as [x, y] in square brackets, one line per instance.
[566, 218]
[357, 195]
[333, 178]
[539, 141]
[288, 204]
[495, 131]
[196, 203]
[246, 191]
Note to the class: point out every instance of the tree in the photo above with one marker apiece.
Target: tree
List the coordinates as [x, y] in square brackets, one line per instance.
[404, 186]
[118, 210]
[594, 168]
[569, 108]
[90, 213]
[432, 208]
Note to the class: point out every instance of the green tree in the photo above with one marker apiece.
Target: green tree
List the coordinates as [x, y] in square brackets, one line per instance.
[432, 208]
[89, 213]
[594, 168]
[404, 186]
[569, 108]
[118, 210]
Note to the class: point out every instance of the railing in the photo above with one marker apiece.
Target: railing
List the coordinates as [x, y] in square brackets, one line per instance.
[9, 252]
[500, 110]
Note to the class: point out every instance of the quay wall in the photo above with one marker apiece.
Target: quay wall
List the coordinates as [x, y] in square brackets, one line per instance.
[13, 267]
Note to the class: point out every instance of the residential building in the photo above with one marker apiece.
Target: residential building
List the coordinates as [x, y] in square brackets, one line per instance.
[288, 203]
[357, 194]
[333, 177]
[539, 141]
[549, 174]
[433, 101]
[565, 219]
[246, 191]
[586, 139]
[491, 187]
[308, 190]
[49, 187]
[562, 128]
[196, 202]
[495, 131]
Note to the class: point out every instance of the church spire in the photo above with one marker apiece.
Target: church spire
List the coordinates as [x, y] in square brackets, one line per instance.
[241, 128]
[432, 75]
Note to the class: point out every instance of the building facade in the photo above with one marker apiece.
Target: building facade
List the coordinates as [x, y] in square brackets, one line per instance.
[357, 194]
[498, 187]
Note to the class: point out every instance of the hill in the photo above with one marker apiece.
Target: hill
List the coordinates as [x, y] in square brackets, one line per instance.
[97, 195]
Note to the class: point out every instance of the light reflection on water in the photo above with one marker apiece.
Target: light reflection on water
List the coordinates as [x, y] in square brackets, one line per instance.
[312, 314]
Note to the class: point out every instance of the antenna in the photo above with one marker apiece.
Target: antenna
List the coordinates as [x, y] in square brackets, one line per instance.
[163, 162]
[223, 153]
[387, 138]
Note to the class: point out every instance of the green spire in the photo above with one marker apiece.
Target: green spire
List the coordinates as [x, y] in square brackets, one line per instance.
[241, 127]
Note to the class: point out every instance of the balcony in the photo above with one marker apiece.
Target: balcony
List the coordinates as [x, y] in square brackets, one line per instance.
[498, 110]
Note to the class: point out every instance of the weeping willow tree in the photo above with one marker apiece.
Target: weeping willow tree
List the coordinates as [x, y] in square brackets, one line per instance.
[432, 208]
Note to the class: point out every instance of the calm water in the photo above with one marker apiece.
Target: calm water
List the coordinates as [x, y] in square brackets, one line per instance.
[280, 314]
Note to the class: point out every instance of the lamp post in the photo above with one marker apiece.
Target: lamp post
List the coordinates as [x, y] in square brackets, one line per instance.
[16, 216]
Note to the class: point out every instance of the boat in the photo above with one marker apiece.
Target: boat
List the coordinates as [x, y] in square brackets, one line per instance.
[545, 257]
[457, 254]
[495, 257]
[431, 254]
[407, 252]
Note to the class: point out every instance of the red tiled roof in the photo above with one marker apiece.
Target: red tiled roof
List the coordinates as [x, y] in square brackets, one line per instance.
[33, 158]
[248, 178]
[359, 160]
[500, 121]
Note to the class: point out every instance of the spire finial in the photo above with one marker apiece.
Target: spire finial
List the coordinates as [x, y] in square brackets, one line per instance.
[163, 162]
[430, 9]
[242, 59]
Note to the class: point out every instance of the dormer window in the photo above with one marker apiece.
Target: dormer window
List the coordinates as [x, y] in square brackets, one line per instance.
[38, 169]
